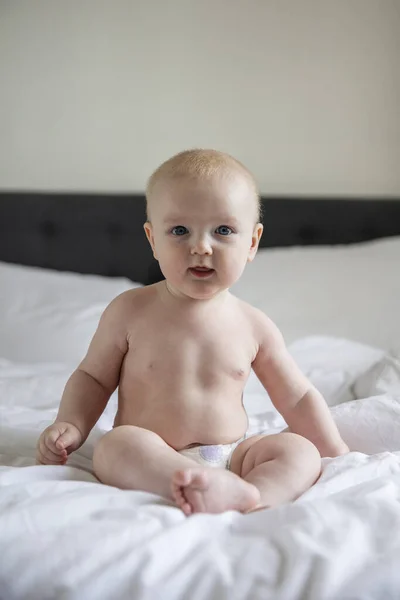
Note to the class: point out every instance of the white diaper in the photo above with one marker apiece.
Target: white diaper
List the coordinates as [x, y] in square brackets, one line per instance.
[220, 455]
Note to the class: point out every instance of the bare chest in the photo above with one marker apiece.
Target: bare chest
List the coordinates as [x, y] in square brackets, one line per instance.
[198, 350]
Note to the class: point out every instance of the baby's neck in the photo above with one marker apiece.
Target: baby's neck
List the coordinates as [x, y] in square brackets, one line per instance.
[176, 298]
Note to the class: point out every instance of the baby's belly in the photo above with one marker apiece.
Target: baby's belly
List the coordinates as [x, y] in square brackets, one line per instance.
[184, 419]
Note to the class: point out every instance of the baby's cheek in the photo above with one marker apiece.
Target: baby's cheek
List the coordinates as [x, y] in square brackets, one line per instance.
[166, 252]
[172, 265]
[236, 266]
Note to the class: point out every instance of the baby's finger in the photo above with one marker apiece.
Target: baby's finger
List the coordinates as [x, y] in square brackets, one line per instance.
[39, 458]
[42, 459]
[66, 439]
[51, 436]
[49, 454]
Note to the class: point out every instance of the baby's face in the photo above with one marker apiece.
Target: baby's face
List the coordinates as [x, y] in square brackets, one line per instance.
[202, 233]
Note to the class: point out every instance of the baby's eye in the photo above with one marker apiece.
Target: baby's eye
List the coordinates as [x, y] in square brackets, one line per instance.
[179, 230]
[223, 230]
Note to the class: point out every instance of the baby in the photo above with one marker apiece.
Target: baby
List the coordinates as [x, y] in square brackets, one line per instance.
[180, 352]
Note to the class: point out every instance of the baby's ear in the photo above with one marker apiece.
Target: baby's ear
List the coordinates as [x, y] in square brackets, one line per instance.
[150, 236]
[255, 240]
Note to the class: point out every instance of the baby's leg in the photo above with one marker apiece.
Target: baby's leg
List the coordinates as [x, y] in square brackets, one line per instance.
[133, 458]
[130, 457]
[281, 466]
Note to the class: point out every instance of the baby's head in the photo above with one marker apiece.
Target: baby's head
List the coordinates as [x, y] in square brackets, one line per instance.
[203, 224]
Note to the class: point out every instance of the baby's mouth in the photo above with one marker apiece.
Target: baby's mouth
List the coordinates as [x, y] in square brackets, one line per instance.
[201, 272]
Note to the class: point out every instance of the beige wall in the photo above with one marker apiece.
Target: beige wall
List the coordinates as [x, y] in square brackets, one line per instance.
[94, 94]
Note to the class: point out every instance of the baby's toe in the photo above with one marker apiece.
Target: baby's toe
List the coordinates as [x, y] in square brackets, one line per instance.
[182, 478]
[178, 495]
[186, 508]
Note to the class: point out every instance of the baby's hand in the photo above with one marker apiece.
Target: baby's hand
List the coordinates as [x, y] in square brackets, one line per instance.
[56, 442]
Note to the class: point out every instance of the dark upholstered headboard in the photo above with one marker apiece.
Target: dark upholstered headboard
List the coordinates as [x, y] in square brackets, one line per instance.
[103, 233]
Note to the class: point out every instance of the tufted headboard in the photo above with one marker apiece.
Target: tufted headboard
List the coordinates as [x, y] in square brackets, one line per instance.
[103, 233]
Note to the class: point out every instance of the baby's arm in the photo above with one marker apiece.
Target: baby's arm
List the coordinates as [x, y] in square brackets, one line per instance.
[299, 402]
[90, 386]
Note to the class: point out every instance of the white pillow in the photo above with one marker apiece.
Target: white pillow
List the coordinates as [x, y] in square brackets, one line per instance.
[49, 315]
[333, 365]
[349, 292]
[381, 378]
[370, 425]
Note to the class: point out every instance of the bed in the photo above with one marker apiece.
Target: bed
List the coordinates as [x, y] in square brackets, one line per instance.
[328, 273]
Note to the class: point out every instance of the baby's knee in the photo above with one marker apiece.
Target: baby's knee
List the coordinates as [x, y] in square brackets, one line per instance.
[300, 450]
[100, 455]
[109, 448]
[121, 444]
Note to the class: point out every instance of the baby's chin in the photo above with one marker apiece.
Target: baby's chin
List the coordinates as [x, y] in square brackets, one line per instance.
[197, 290]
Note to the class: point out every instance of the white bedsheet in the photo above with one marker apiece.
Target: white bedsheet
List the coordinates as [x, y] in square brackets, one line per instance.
[64, 535]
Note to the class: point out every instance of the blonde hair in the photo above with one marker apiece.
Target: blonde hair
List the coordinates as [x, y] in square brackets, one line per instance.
[200, 164]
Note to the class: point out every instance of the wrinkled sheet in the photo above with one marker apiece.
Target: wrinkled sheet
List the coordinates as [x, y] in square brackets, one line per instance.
[64, 535]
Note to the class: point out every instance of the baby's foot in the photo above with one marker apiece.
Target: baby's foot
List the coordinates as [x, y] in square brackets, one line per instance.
[212, 491]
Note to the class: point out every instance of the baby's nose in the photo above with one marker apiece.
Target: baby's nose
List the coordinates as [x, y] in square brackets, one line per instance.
[201, 246]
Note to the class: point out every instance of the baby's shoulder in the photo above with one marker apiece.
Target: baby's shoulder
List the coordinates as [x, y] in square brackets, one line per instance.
[260, 323]
[250, 312]
[130, 303]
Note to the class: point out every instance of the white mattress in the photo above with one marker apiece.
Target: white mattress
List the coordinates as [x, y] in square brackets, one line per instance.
[64, 535]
